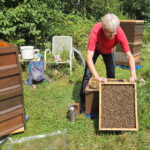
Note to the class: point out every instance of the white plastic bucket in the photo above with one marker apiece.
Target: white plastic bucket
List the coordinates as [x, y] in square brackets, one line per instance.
[27, 52]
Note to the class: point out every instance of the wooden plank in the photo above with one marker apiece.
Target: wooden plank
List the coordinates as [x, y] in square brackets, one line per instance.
[121, 83]
[126, 64]
[10, 102]
[11, 121]
[2, 68]
[136, 112]
[100, 110]
[13, 69]
[135, 47]
[10, 93]
[92, 101]
[8, 49]
[22, 129]
[133, 21]
[8, 59]
[11, 125]
[121, 57]
[9, 81]
[118, 129]
[11, 113]
[9, 88]
[4, 112]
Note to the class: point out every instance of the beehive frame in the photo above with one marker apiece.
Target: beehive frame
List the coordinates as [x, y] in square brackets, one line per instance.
[105, 128]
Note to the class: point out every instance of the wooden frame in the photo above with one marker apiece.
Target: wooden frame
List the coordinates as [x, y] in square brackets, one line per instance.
[100, 108]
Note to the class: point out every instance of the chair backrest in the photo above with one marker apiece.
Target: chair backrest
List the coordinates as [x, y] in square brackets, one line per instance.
[61, 44]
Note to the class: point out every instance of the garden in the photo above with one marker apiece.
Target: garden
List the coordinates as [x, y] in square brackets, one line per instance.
[35, 22]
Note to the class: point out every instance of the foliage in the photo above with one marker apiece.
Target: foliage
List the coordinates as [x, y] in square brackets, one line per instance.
[78, 28]
[34, 23]
[29, 22]
[146, 33]
[97, 9]
[49, 57]
[138, 9]
[94, 9]
[65, 55]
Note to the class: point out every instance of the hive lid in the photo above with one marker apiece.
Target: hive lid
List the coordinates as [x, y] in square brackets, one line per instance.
[133, 21]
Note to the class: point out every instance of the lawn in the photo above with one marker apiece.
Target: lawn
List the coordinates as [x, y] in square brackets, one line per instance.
[47, 107]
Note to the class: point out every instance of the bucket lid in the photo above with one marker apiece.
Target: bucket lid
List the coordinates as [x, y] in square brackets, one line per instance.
[36, 50]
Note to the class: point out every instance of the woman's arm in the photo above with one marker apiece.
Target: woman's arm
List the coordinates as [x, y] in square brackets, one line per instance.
[92, 68]
[132, 67]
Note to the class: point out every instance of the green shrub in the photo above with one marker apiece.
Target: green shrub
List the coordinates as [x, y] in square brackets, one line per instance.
[30, 23]
[78, 28]
[146, 34]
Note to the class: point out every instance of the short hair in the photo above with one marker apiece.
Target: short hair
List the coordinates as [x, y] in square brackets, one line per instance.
[110, 22]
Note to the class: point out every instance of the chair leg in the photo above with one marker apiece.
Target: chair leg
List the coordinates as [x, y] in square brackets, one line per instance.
[70, 66]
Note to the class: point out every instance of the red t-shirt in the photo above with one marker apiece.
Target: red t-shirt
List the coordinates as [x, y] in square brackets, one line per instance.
[98, 40]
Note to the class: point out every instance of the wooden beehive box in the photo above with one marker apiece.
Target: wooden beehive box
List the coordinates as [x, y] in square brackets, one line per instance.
[134, 47]
[121, 58]
[133, 30]
[92, 95]
[118, 107]
[12, 115]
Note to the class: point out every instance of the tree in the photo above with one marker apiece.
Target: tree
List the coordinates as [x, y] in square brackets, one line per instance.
[136, 9]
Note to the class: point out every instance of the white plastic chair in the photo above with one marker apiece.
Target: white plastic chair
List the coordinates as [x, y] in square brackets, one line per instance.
[59, 44]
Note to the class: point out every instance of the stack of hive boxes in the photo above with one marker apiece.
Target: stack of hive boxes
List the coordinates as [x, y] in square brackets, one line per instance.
[133, 30]
[12, 116]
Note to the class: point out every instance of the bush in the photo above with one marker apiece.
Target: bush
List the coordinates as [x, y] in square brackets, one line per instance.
[146, 34]
[78, 28]
[29, 23]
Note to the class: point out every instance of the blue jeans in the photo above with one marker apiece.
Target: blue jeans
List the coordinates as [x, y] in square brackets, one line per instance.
[109, 60]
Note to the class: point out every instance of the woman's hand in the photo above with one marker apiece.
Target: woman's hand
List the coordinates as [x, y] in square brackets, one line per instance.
[101, 79]
[132, 78]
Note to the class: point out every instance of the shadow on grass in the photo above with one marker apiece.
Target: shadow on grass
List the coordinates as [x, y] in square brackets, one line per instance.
[76, 91]
[98, 132]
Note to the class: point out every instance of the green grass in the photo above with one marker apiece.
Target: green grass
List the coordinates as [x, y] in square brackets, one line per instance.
[47, 107]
